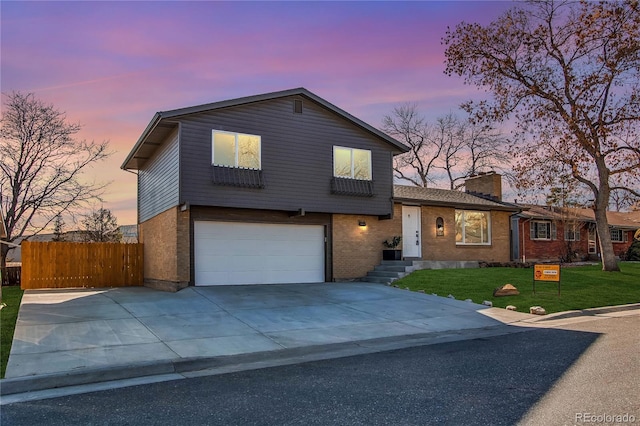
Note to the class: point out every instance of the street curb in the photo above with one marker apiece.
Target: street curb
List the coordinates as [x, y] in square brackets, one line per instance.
[588, 312]
[246, 361]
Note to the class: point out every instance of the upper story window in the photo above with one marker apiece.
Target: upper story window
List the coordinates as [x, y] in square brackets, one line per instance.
[618, 236]
[236, 150]
[351, 163]
[571, 232]
[473, 227]
[542, 230]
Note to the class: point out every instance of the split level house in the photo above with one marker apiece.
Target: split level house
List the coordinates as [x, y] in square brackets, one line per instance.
[287, 187]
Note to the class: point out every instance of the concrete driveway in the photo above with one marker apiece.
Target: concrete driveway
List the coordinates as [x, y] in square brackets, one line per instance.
[71, 331]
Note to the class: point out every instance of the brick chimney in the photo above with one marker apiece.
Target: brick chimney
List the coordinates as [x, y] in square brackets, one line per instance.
[486, 185]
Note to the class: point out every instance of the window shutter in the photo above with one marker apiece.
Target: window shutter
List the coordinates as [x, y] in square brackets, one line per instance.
[577, 232]
[554, 233]
[532, 231]
[625, 236]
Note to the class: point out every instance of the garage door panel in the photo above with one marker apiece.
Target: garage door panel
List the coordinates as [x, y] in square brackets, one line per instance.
[246, 253]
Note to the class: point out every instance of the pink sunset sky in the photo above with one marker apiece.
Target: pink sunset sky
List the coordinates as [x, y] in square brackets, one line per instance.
[112, 65]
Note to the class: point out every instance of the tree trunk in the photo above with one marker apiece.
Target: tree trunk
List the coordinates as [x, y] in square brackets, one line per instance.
[609, 262]
[4, 249]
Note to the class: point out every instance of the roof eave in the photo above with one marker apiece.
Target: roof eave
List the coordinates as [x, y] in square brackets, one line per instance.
[152, 125]
[455, 204]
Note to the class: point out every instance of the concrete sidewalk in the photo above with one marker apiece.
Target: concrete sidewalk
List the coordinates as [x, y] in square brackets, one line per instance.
[73, 337]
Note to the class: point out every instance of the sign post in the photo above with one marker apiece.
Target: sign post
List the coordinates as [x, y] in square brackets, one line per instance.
[547, 273]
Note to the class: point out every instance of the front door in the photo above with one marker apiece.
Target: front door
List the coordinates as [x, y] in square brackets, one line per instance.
[411, 241]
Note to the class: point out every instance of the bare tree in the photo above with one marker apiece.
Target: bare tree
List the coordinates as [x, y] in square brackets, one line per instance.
[101, 226]
[58, 226]
[569, 73]
[407, 125]
[41, 166]
[451, 146]
[623, 200]
[475, 147]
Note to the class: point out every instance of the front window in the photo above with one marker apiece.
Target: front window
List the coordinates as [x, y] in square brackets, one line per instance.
[473, 227]
[351, 163]
[236, 150]
[618, 236]
[542, 230]
[571, 232]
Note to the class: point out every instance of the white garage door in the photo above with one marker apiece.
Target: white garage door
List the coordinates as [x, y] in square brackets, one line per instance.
[251, 253]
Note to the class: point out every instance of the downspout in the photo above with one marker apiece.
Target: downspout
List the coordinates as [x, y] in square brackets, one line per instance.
[524, 256]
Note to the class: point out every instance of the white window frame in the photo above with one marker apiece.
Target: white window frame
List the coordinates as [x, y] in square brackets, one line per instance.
[574, 229]
[351, 150]
[621, 235]
[463, 221]
[550, 230]
[236, 136]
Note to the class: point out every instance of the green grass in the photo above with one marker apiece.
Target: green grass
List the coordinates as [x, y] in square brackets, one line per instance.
[11, 297]
[581, 287]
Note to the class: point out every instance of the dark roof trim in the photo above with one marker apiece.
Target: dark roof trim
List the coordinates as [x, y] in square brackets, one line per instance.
[163, 115]
[469, 206]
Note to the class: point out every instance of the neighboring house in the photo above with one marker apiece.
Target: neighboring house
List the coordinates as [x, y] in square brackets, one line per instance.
[262, 189]
[547, 233]
[129, 233]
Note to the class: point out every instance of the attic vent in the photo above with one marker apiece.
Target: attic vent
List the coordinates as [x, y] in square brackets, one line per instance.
[297, 106]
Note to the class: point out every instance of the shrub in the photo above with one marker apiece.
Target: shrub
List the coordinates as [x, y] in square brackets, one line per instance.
[634, 251]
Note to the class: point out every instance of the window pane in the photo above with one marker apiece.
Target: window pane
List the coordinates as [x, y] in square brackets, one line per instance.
[473, 228]
[459, 217]
[249, 151]
[485, 228]
[341, 162]
[224, 149]
[542, 233]
[361, 164]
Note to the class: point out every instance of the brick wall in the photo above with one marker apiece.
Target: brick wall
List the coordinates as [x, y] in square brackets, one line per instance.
[620, 249]
[356, 249]
[488, 184]
[445, 248]
[166, 249]
[552, 250]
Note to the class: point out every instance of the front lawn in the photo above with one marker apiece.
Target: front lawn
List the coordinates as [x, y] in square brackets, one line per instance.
[11, 297]
[581, 287]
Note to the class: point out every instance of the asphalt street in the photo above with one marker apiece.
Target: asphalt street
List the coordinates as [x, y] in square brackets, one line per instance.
[543, 376]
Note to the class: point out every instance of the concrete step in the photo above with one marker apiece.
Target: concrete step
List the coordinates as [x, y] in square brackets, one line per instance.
[383, 280]
[391, 268]
[397, 262]
[390, 274]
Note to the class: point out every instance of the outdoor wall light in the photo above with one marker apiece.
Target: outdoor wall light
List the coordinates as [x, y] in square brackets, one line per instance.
[439, 227]
[362, 223]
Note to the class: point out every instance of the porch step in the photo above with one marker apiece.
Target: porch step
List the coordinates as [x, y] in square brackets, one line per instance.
[390, 274]
[390, 270]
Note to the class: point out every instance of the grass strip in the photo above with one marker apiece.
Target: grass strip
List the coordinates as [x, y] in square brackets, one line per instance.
[11, 297]
[581, 287]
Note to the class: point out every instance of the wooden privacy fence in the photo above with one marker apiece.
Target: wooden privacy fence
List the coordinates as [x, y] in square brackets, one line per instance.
[62, 264]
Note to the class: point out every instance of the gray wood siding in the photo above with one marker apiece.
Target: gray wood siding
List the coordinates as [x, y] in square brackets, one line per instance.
[158, 180]
[297, 159]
